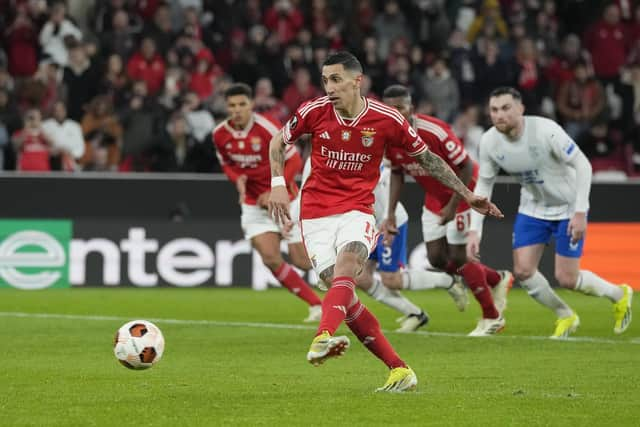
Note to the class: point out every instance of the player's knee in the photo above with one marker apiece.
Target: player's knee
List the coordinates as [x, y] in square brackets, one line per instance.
[300, 261]
[566, 279]
[523, 273]
[392, 280]
[272, 261]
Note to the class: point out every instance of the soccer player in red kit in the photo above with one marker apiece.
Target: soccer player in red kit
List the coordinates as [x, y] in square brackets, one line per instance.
[349, 135]
[242, 144]
[445, 218]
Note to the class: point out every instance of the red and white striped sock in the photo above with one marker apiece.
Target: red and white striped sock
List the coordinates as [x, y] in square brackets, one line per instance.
[336, 303]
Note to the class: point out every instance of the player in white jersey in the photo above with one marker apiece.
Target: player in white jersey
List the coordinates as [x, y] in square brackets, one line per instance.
[556, 179]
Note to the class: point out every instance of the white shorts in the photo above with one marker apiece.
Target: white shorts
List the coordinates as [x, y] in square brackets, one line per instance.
[295, 235]
[325, 237]
[456, 230]
[256, 220]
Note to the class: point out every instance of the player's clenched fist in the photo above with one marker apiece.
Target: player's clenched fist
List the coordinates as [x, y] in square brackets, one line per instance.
[279, 204]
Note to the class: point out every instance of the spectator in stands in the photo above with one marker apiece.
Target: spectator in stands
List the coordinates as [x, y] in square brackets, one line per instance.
[490, 16]
[58, 33]
[200, 120]
[462, 65]
[372, 63]
[606, 42]
[121, 39]
[31, 144]
[178, 151]
[599, 140]
[580, 101]
[284, 19]
[529, 77]
[492, 71]
[80, 77]
[390, 25]
[430, 24]
[103, 135]
[147, 65]
[67, 141]
[300, 90]
[140, 121]
[265, 103]
[160, 29]
[439, 87]
[560, 68]
[115, 81]
[21, 40]
[49, 76]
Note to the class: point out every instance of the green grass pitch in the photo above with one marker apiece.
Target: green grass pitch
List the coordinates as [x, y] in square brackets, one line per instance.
[238, 358]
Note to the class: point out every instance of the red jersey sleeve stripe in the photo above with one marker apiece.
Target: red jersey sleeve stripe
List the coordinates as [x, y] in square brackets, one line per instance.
[386, 113]
[388, 109]
[460, 158]
[419, 151]
[315, 104]
[433, 128]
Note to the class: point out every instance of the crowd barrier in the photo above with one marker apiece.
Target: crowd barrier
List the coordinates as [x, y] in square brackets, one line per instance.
[183, 230]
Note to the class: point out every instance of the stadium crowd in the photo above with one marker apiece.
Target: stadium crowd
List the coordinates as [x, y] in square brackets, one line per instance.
[138, 85]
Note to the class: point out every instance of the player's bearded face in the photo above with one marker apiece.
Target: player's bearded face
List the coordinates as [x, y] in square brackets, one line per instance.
[341, 86]
[505, 113]
[239, 108]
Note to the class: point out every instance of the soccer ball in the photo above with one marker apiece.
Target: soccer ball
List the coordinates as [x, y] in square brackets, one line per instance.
[138, 344]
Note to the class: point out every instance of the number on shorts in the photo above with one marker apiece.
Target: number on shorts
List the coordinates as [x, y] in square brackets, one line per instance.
[369, 232]
[462, 220]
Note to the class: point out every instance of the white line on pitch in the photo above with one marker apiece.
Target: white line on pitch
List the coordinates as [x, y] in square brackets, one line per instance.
[290, 326]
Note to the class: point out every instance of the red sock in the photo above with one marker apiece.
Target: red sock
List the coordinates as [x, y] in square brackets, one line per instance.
[336, 303]
[493, 277]
[366, 327]
[291, 280]
[474, 276]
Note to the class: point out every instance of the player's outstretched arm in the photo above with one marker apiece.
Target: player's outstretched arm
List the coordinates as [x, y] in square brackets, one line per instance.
[279, 197]
[441, 171]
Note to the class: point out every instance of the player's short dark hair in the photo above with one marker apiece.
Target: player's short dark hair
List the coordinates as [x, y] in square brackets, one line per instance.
[239, 89]
[396, 91]
[347, 59]
[506, 90]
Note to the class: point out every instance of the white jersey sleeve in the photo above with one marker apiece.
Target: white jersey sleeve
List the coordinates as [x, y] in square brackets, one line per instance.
[486, 179]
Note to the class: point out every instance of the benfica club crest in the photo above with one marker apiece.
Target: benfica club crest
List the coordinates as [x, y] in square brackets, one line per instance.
[367, 136]
[346, 135]
[256, 144]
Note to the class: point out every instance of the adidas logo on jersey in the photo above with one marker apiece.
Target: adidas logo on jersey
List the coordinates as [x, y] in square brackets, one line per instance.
[325, 135]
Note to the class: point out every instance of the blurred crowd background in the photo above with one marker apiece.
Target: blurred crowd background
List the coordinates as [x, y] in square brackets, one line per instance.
[137, 85]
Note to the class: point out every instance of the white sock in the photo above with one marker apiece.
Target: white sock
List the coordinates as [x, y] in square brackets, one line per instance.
[392, 298]
[591, 284]
[418, 280]
[539, 289]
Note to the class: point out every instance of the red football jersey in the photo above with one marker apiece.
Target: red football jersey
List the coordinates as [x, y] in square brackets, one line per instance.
[34, 152]
[246, 152]
[346, 153]
[441, 140]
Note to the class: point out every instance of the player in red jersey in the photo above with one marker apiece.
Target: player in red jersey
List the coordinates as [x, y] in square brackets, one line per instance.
[349, 135]
[242, 144]
[445, 217]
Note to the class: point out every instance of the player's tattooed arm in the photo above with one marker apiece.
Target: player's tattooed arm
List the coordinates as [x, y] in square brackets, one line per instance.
[441, 171]
[276, 154]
